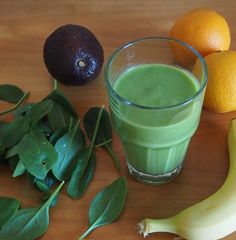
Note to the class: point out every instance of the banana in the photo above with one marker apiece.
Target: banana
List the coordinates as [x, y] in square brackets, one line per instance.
[211, 219]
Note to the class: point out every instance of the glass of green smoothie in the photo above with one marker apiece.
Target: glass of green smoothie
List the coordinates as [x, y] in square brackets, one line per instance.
[155, 104]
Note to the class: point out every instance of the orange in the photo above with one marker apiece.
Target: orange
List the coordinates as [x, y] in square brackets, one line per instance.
[205, 30]
[220, 95]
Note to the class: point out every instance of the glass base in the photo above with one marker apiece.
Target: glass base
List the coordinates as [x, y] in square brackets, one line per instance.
[154, 179]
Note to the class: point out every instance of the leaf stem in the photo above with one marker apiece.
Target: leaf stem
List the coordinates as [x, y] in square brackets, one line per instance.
[55, 193]
[103, 143]
[89, 154]
[72, 137]
[95, 132]
[114, 157]
[51, 198]
[70, 123]
[55, 84]
[26, 94]
[75, 129]
[86, 233]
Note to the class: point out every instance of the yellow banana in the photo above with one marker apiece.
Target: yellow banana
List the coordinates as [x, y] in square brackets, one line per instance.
[211, 219]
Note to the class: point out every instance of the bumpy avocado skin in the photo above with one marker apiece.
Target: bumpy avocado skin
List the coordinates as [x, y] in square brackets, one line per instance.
[73, 55]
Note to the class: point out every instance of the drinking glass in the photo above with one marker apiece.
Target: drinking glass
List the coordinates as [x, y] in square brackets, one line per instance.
[155, 138]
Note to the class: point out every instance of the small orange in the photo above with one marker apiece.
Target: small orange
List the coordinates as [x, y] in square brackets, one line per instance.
[205, 30]
[220, 95]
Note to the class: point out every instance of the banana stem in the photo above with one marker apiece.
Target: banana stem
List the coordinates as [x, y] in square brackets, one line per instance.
[149, 225]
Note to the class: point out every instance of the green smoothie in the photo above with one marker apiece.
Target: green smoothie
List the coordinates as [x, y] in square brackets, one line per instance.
[154, 127]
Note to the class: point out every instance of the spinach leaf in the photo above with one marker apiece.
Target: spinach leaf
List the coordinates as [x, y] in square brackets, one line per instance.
[42, 186]
[29, 223]
[107, 205]
[53, 203]
[39, 110]
[45, 187]
[82, 174]
[19, 170]
[2, 152]
[13, 161]
[57, 96]
[104, 134]
[23, 110]
[11, 151]
[62, 111]
[44, 127]
[56, 117]
[8, 209]
[2, 126]
[87, 176]
[16, 106]
[36, 153]
[104, 130]
[14, 131]
[67, 147]
[57, 134]
[10, 93]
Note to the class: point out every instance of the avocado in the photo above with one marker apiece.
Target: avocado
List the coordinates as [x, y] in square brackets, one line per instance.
[73, 55]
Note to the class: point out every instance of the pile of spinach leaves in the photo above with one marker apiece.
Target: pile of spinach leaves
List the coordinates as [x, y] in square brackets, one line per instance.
[46, 142]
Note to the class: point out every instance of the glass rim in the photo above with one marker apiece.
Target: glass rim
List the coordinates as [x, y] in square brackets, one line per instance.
[130, 103]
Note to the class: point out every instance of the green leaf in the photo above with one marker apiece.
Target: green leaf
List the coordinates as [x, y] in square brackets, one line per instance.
[8, 209]
[107, 205]
[58, 134]
[37, 154]
[30, 178]
[82, 174]
[44, 127]
[67, 147]
[53, 203]
[87, 176]
[86, 173]
[10, 93]
[2, 126]
[45, 185]
[42, 186]
[19, 170]
[2, 152]
[104, 132]
[14, 131]
[62, 111]
[29, 223]
[58, 96]
[56, 117]
[40, 110]
[23, 110]
[11, 151]
[13, 162]
[17, 105]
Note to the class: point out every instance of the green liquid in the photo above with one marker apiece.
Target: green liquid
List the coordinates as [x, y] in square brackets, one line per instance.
[156, 85]
[155, 140]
